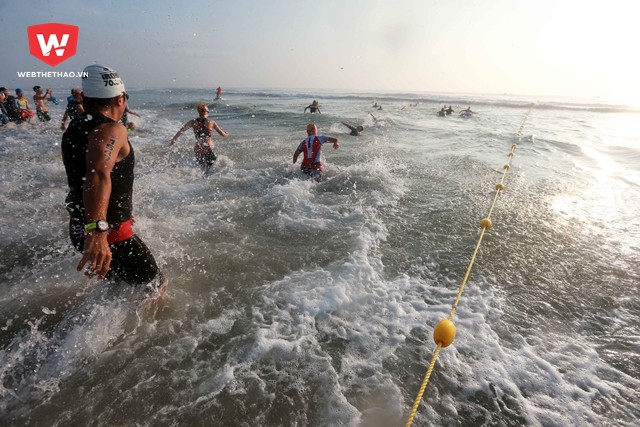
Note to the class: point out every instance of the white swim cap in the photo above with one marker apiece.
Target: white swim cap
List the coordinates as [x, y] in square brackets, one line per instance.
[101, 82]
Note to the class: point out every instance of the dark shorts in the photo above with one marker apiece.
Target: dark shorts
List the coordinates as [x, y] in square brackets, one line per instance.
[131, 260]
[44, 116]
[315, 174]
[206, 159]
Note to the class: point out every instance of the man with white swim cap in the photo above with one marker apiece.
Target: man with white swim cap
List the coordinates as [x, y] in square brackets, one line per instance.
[99, 161]
[311, 148]
[203, 128]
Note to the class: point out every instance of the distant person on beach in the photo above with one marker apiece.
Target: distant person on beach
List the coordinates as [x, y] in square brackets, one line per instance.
[218, 92]
[4, 117]
[313, 107]
[449, 110]
[355, 130]
[311, 149]
[441, 113]
[39, 99]
[99, 161]
[74, 107]
[203, 128]
[23, 106]
[10, 106]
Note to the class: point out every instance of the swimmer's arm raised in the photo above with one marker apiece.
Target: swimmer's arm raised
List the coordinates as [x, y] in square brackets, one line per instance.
[349, 126]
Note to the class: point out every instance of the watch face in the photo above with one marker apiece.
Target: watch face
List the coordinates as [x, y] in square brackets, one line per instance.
[102, 225]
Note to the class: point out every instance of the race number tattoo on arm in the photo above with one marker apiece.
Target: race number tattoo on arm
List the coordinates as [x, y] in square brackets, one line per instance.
[108, 151]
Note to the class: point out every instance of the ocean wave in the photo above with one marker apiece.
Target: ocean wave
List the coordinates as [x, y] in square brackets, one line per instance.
[507, 101]
[182, 98]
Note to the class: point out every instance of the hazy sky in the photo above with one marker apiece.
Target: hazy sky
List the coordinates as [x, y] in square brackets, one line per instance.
[581, 48]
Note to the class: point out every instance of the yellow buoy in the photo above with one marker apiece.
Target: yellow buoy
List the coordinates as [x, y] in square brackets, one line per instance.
[444, 332]
[500, 186]
[506, 167]
[486, 223]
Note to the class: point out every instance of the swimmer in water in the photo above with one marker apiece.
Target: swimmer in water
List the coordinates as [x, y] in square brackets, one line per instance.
[355, 130]
[313, 108]
[203, 128]
[311, 149]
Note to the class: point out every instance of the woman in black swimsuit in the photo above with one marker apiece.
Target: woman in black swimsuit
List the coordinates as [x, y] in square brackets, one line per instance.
[203, 128]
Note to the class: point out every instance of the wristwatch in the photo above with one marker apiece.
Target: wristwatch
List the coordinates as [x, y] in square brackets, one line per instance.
[100, 225]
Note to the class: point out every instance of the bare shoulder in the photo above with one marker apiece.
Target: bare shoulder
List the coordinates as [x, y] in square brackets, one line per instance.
[109, 143]
[114, 130]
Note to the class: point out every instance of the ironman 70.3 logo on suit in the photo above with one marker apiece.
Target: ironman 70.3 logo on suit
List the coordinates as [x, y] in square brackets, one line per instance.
[53, 43]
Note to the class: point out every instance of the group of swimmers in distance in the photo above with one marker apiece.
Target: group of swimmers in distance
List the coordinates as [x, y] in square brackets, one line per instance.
[18, 110]
[446, 111]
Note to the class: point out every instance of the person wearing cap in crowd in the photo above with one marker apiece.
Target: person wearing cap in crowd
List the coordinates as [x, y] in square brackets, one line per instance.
[311, 149]
[74, 107]
[203, 128]
[23, 106]
[39, 98]
[313, 107]
[99, 161]
[10, 106]
[4, 117]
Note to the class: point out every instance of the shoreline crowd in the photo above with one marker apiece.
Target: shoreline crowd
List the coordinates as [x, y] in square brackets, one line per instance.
[16, 109]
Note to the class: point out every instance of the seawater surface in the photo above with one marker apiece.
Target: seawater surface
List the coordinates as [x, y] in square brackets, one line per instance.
[294, 303]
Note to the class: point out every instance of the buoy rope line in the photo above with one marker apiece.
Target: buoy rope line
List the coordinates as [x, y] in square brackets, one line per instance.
[445, 331]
